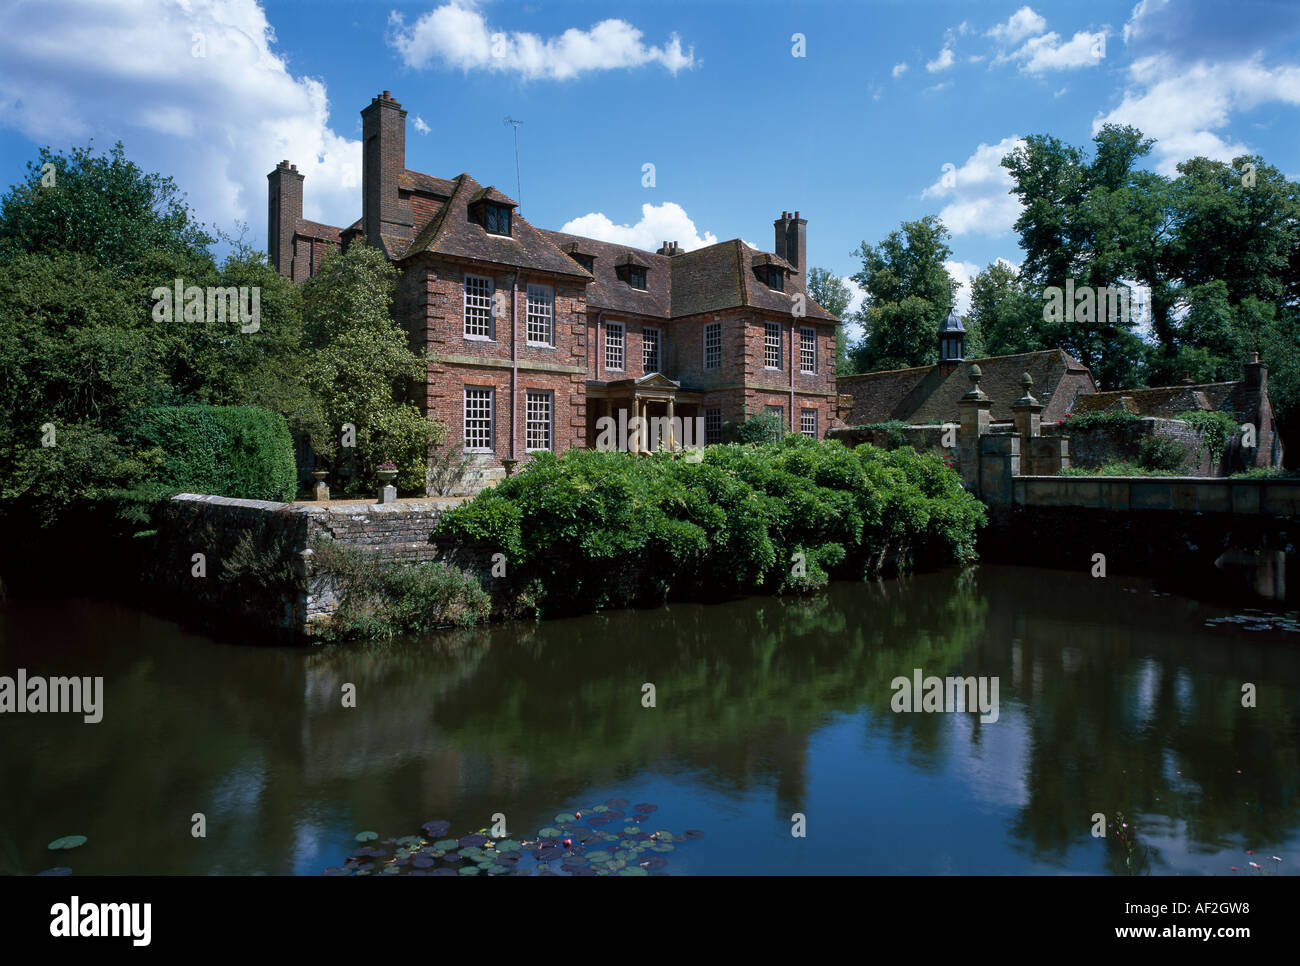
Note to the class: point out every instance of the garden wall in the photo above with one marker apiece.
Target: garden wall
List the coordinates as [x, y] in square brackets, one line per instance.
[258, 563]
[1090, 448]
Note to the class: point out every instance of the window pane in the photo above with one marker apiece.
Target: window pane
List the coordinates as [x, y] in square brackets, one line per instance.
[478, 420]
[541, 301]
[808, 422]
[713, 345]
[538, 423]
[650, 350]
[771, 345]
[712, 426]
[613, 345]
[808, 350]
[478, 306]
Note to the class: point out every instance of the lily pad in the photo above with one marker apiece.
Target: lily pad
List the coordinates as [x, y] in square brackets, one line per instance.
[600, 855]
[616, 802]
[476, 840]
[633, 870]
[469, 870]
[507, 845]
[652, 862]
[598, 820]
[443, 872]
[67, 842]
[548, 853]
[64, 870]
[437, 828]
[549, 833]
[565, 817]
[422, 862]
[645, 808]
[663, 847]
[631, 830]
[600, 808]
[367, 836]
[447, 845]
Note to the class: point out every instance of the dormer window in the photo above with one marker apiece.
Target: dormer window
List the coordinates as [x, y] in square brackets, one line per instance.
[586, 261]
[490, 210]
[496, 219]
[770, 270]
[631, 269]
[634, 275]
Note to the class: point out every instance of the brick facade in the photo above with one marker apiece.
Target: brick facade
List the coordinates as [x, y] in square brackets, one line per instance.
[437, 233]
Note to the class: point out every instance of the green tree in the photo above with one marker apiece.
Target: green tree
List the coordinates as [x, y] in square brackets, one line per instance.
[829, 291]
[1007, 316]
[908, 292]
[360, 369]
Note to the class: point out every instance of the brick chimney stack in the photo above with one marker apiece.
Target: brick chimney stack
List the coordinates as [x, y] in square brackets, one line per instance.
[383, 139]
[284, 211]
[1256, 372]
[792, 244]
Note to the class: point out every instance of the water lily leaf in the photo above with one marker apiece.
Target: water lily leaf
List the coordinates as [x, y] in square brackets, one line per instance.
[64, 870]
[599, 855]
[473, 840]
[614, 814]
[67, 842]
[633, 870]
[548, 854]
[652, 862]
[549, 833]
[645, 808]
[616, 802]
[600, 808]
[598, 820]
[663, 847]
[443, 872]
[408, 840]
[422, 862]
[447, 844]
[564, 817]
[631, 830]
[437, 828]
[469, 870]
[367, 836]
[507, 845]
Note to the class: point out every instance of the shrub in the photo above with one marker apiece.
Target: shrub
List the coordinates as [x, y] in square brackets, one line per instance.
[894, 429]
[1266, 473]
[1215, 427]
[383, 598]
[764, 427]
[234, 451]
[1162, 454]
[596, 529]
[1110, 418]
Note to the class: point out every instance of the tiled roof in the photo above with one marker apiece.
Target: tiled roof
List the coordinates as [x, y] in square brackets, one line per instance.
[1167, 402]
[924, 395]
[314, 229]
[450, 232]
[415, 181]
[490, 193]
[610, 293]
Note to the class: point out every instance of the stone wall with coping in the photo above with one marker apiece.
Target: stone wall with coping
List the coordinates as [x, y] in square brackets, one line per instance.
[214, 526]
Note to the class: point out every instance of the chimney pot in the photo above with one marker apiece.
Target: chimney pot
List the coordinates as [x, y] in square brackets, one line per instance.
[796, 214]
[388, 95]
[293, 167]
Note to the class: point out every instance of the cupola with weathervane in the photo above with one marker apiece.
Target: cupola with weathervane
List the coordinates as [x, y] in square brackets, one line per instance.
[952, 342]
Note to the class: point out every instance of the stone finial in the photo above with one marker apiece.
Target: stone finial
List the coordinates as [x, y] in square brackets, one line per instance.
[975, 391]
[1027, 383]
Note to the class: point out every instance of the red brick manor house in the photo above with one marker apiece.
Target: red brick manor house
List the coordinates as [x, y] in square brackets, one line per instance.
[538, 334]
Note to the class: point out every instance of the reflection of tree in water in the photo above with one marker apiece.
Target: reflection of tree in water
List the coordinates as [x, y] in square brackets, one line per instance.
[1120, 698]
[740, 686]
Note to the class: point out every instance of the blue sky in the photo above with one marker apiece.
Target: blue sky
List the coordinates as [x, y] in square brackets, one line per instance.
[855, 134]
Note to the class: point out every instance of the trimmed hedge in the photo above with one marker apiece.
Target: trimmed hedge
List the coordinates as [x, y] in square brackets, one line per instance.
[235, 451]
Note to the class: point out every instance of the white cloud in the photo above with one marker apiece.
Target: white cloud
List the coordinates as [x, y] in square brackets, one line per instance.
[962, 273]
[942, 62]
[1185, 106]
[421, 126]
[1040, 54]
[977, 192]
[668, 221]
[935, 88]
[1023, 23]
[457, 35]
[80, 69]
[899, 70]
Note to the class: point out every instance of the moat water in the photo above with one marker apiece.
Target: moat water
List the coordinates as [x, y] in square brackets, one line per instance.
[1116, 697]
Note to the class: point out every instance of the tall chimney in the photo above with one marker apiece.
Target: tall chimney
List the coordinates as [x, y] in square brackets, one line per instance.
[284, 211]
[792, 244]
[1256, 372]
[383, 137]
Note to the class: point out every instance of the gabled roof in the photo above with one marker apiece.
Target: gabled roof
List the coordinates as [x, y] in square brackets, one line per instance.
[450, 232]
[490, 193]
[925, 395]
[410, 180]
[721, 276]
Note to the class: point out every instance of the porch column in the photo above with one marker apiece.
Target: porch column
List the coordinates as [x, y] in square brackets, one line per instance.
[639, 409]
[672, 435]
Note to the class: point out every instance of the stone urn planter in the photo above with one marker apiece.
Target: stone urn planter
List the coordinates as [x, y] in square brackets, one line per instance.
[321, 490]
[387, 472]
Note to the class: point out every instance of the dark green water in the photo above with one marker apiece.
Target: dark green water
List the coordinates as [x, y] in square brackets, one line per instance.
[1113, 698]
